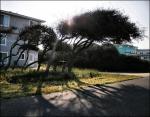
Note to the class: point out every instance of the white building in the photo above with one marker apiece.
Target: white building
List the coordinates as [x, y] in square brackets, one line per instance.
[15, 22]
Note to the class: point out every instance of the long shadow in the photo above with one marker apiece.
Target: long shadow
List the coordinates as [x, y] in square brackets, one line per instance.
[35, 76]
[128, 100]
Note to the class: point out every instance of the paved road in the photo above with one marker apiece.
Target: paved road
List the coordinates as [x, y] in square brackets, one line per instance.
[129, 98]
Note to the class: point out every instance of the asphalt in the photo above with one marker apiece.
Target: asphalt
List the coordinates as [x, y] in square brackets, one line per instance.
[128, 98]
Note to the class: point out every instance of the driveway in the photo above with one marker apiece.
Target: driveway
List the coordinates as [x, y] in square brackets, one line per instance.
[128, 98]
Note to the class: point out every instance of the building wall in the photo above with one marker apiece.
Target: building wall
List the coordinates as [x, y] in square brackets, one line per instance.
[18, 23]
[127, 49]
[144, 54]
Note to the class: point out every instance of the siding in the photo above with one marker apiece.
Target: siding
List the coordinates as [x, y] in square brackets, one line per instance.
[19, 23]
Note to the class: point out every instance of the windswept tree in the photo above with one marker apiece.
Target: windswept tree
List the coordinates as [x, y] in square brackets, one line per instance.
[39, 35]
[29, 39]
[102, 26]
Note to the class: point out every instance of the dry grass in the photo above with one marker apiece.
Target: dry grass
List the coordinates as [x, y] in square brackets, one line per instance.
[85, 77]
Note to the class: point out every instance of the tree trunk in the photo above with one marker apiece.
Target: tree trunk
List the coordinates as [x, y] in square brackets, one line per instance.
[10, 54]
[71, 62]
[9, 60]
[70, 67]
[30, 64]
[52, 56]
[40, 59]
[63, 67]
[39, 65]
[47, 68]
[54, 68]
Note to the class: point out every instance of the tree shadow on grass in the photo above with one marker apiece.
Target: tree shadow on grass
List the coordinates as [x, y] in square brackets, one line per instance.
[128, 100]
[98, 100]
[38, 78]
[41, 76]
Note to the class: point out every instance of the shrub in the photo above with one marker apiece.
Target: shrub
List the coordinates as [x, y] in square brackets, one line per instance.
[34, 76]
[107, 58]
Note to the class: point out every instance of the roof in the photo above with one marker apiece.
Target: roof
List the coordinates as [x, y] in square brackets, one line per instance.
[23, 16]
[125, 45]
[143, 49]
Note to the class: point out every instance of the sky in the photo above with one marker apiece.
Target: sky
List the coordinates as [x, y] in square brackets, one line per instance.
[55, 11]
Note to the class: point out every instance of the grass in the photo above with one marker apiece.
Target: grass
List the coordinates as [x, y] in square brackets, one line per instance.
[16, 83]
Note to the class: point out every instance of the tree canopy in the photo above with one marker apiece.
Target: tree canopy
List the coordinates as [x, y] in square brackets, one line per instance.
[29, 39]
[103, 26]
[76, 34]
[37, 35]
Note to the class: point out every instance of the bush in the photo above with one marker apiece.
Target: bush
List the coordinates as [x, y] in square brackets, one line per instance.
[107, 58]
[34, 76]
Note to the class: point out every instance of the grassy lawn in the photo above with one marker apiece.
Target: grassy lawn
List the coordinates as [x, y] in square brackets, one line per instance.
[16, 83]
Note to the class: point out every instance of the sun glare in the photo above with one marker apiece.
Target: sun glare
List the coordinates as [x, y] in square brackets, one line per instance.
[70, 22]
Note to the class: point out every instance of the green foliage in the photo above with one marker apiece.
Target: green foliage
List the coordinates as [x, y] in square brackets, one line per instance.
[101, 25]
[35, 76]
[107, 58]
[38, 34]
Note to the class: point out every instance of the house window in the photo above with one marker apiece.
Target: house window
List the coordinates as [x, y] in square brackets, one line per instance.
[141, 52]
[4, 20]
[3, 55]
[22, 56]
[3, 38]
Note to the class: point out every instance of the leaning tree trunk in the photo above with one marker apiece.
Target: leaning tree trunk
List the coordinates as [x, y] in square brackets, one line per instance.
[39, 65]
[70, 66]
[9, 60]
[10, 53]
[51, 60]
[52, 56]
[40, 59]
[31, 64]
[63, 67]
[71, 62]
[8, 57]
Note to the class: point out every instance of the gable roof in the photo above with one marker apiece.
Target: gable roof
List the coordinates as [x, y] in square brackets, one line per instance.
[22, 16]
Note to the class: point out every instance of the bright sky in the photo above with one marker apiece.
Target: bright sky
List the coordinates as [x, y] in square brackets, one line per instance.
[54, 11]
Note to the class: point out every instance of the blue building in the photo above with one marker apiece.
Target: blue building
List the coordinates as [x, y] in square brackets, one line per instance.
[127, 49]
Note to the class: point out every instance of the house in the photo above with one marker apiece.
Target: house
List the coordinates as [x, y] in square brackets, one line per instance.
[130, 50]
[127, 49]
[14, 22]
[144, 54]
